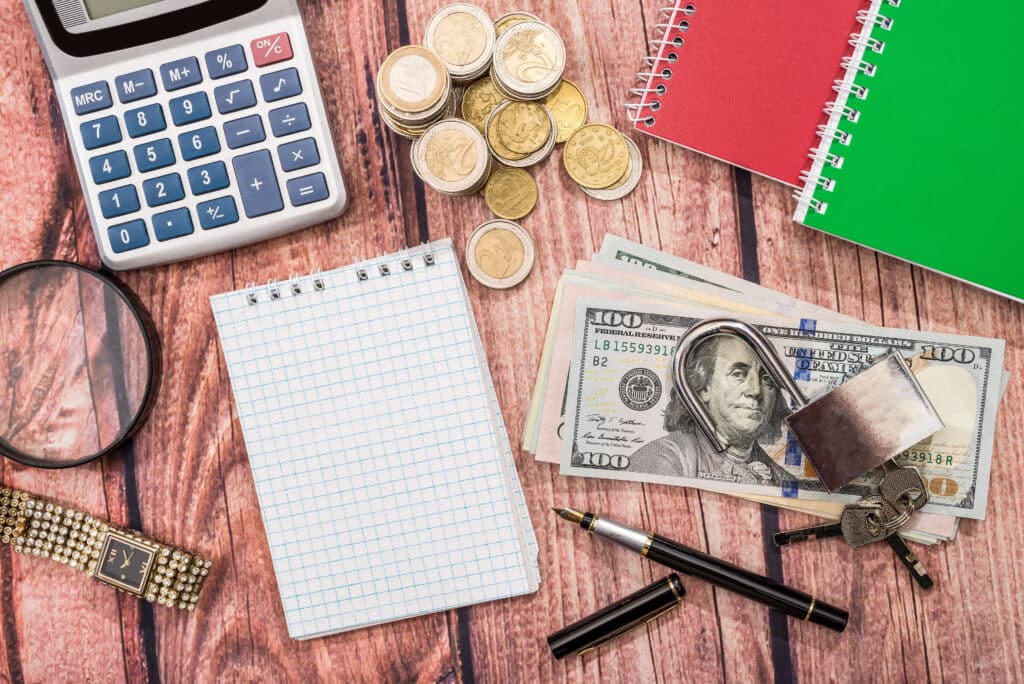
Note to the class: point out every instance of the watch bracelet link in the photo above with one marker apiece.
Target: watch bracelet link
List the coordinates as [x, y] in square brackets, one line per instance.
[163, 574]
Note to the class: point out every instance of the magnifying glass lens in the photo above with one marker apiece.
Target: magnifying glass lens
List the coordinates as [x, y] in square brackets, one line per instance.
[74, 365]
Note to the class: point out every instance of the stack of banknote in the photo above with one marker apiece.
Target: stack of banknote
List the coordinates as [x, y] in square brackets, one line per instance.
[604, 404]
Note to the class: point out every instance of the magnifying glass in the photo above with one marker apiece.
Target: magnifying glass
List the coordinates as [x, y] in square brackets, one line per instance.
[79, 364]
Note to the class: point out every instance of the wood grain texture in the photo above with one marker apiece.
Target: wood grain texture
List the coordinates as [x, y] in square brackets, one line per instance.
[185, 478]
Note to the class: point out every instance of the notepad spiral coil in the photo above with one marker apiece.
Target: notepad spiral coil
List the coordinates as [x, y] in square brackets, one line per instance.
[843, 110]
[317, 281]
[666, 39]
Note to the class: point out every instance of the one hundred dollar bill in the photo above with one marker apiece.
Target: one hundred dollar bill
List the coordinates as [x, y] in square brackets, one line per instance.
[624, 420]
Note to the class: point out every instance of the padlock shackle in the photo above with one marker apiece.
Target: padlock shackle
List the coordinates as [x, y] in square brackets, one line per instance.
[762, 348]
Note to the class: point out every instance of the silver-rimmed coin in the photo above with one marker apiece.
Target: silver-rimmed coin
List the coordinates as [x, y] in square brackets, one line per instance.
[529, 60]
[451, 157]
[412, 132]
[462, 35]
[500, 254]
[412, 80]
[636, 170]
[507, 21]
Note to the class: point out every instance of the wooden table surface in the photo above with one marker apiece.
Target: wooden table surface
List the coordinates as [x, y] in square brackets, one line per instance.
[186, 479]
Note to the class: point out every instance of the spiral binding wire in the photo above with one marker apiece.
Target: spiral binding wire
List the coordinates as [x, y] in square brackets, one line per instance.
[643, 103]
[841, 110]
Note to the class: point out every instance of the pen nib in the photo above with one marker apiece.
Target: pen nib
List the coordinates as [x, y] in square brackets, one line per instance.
[569, 514]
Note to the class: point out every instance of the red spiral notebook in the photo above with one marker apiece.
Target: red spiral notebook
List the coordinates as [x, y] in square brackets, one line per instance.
[745, 81]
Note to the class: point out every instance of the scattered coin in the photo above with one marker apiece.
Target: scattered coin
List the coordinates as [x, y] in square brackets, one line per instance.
[569, 107]
[507, 21]
[529, 59]
[479, 100]
[499, 145]
[452, 158]
[596, 156]
[523, 127]
[511, 193]
[627, 185]
[462, 35]
[500, 254]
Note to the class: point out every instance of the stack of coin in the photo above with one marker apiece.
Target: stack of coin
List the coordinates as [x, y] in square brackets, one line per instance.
[529, 60]
[451, 157]
[500, 254]
[604, 163]
[507, 21]
[521, 134]
[414, 91]
[463, 37]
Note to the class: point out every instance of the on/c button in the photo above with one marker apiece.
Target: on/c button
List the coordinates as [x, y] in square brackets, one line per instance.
[271, 49]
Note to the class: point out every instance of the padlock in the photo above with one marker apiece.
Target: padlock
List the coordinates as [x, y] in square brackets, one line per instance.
[846, 432]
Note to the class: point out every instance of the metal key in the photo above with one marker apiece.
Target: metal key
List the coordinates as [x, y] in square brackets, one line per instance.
[903, 487]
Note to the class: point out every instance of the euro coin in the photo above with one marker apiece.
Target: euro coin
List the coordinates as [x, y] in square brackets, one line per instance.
[507, 21]
[523, 127]
[596, 156]
[462, 35]
[413, 79]
[494, 142]
[529, 59]
[479, 100]
[500, 254]
[626, 185]
[569, 107]
[451, 157]
[511, 193]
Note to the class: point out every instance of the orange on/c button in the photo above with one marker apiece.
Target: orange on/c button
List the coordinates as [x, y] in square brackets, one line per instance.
[271, 49]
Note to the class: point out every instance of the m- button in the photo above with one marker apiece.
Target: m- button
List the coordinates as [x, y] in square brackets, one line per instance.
[91, 98]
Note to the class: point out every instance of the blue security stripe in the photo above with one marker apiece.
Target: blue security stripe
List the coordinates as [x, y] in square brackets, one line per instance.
[790, 490]
[802, 369]
[794, 454]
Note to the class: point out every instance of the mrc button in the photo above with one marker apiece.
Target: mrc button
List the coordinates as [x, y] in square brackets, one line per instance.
[91, 98]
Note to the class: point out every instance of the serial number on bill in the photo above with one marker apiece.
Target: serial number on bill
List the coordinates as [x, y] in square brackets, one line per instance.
[634, 347]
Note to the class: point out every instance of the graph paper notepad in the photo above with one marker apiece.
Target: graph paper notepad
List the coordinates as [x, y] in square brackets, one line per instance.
[382, 466]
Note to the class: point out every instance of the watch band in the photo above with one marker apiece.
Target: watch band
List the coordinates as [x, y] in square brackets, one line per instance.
[122, 558]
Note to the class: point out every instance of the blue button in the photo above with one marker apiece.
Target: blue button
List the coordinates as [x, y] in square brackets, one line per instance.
[217, 213]
[290, 119]
[101, 132]
[145, 120]
[200, 143]
[308, 189]
[280, 84]
[163, 190]
[181, 73]
[154, 155]
[234, 96]
[226, 61]
[109, 167]
[298, 154]
[189, 109]
[257, 183]
[172, 224]
[91, 98]
[135, 86]
[204, 179]
[119, 201]
[128, 236]
[242, 132]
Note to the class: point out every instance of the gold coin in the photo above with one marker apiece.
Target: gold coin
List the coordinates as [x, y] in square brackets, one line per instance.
[523, 127]
[451, 155]
[413, 79]
[511, 193]
[569, 106]
[500, 254]
[460, 39]
[596, 156]
[511, 19]
[479, 100]
[497, 146]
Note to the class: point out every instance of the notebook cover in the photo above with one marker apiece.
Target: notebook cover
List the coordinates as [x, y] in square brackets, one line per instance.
[750, 81]
[931, 168]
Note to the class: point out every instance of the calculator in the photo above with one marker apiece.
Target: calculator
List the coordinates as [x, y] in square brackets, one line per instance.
[196, 125]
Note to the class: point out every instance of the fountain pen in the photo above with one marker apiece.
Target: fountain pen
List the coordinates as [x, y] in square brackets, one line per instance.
[714, 570]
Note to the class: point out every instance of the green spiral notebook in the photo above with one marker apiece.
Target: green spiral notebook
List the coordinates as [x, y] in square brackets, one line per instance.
[921, 157]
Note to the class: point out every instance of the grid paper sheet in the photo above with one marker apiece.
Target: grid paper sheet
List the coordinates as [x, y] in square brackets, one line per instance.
[382, 465]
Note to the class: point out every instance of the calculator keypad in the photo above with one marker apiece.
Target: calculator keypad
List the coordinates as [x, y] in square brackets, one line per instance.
[232, 162]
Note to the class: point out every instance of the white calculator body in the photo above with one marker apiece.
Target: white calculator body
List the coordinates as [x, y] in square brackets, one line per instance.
[196, 125]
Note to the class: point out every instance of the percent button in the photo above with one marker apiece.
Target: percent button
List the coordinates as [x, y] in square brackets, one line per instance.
[271, 49]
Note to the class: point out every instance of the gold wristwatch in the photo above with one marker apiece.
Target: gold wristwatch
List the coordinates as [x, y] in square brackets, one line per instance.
[121, 558]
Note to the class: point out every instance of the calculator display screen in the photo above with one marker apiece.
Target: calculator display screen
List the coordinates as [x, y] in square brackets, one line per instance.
[104, 8]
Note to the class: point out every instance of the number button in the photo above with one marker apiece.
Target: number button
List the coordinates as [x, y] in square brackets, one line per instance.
[201, 143]
[135, 86]
[119, 201]
[204, 179]
[298, 155]
[226, 61]
[172, 224]
[109, 167]
[242, 132]
[280, 85]
[217, 213]
[91, 98]
[128, 236]
[101, 132]
[189, 109]
[163, 190]
[308, 190]
[181, 73]
[234, 96]
[145, 120]
[154, 155]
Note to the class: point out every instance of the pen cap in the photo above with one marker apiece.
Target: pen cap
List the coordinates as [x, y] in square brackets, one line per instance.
[618, 618]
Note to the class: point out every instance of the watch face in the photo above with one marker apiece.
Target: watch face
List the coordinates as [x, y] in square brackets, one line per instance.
[124, 563]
